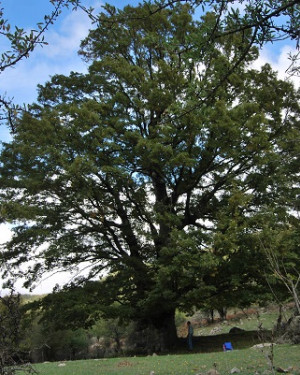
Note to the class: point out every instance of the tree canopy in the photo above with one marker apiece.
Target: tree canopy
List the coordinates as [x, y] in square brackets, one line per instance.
[156, 168]
[270, 21]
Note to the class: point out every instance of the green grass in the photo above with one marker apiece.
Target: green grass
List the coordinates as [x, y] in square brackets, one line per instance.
[248, 361]
[266, 317]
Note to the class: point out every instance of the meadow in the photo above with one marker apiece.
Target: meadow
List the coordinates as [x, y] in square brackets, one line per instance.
[248, 361]
[250, 320]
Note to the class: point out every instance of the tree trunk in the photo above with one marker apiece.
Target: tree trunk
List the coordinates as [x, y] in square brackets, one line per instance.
[154, 334]
[222, 312]
[165, 324]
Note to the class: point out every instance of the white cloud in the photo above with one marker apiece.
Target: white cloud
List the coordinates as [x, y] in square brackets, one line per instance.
[5, 233]
[66, 40]
[49, 279]
[21, 83]
[45, 286]
[278, 59]
[73, 29]
[60, 56]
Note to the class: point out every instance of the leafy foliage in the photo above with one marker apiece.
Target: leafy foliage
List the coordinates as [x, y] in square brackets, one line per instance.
[12, 359]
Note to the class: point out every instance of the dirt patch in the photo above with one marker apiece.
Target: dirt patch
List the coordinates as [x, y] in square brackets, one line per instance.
[125, 364]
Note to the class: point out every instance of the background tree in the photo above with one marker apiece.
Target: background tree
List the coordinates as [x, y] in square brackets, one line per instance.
[134, 167]
[112, 331]
[279, 242]
[10, 335]
[283, 260]
[10, 318]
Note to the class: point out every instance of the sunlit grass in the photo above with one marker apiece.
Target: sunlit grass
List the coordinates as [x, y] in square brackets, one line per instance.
[264, 319]
[248, 361]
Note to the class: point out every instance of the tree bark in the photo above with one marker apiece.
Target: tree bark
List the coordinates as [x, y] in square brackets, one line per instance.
[167, 328]
[155, 334]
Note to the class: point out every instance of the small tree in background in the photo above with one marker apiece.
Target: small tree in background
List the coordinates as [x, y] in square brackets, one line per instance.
[279, 241]
[111, 331]
[10, 320]
[286, 270]
[11, 358]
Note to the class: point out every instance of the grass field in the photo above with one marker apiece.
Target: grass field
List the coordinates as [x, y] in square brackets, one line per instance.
[248, 361]
[266, 318]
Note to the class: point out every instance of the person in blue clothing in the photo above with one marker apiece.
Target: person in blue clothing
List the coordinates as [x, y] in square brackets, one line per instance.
[227, 346]
[190, 335]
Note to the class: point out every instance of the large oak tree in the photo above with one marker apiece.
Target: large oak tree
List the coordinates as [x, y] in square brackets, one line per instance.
[155, 167]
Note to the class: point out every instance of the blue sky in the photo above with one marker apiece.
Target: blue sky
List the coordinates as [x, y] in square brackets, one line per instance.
[60, 57]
